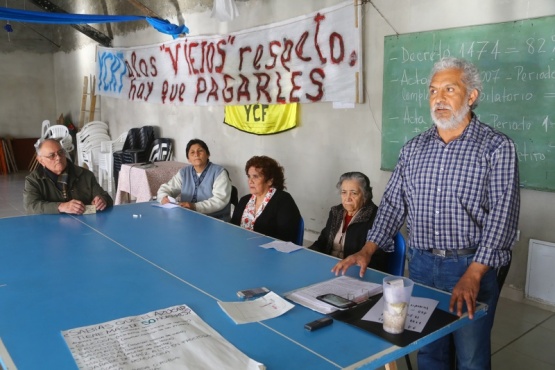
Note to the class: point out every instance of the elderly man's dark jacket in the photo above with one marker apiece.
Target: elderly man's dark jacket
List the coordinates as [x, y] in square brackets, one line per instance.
[41, 195]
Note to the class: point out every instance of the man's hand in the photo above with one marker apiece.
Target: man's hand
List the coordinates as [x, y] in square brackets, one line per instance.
[165, 200]
[99, 203]
[466, 290]
[361, 258]
[75, 207]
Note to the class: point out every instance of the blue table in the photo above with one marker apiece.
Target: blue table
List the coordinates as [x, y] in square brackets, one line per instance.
[64, 272]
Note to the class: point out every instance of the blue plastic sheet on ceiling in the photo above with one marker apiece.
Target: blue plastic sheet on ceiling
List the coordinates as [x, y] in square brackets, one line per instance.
[27, 16]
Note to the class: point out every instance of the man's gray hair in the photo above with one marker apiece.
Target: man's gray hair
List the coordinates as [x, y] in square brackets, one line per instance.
[40, 142]
[362, 180]
[470, 75]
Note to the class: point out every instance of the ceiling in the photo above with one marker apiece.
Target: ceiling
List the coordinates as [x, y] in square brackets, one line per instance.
[48, 38]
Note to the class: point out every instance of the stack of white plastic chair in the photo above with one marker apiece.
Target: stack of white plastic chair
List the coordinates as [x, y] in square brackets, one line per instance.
[88, 144]
[44, 128]
[85, 133]
[34, 162]
[60, 133]
[106, 160]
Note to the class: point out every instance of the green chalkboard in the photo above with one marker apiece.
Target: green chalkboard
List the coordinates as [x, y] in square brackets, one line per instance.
[517, 65]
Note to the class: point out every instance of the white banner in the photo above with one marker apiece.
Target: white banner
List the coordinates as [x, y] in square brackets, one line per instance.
[313, 58]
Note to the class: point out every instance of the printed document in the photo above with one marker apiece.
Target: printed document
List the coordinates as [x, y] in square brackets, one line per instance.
[166, 339]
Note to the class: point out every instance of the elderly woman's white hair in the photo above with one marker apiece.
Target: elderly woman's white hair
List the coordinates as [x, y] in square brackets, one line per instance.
[362, 180]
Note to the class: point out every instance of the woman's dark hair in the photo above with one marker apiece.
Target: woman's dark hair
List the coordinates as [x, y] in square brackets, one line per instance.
[269, 168]
[199, 142]
[362, 180]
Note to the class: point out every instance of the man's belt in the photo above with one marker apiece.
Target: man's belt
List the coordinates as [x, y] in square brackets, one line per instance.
[452, 252]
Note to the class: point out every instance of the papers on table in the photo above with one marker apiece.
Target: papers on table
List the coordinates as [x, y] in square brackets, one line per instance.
[285, 247]
[344, 286]
[89, 209]
[269, 306]
[167, 205]
[420, 310]
[5, 359]
[171, 204]
[167, 339]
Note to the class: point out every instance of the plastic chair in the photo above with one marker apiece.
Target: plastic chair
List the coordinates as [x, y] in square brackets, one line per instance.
[234, 200]
[45, 126]
[130, 141]
[396, 259]
[141, 152]
[94, 124]
[67, 144]
[136, 148]
[44, 129]
[91, 149]
[161, 150]
[56, 132]
[300, 234]
[87, 134]
[106, 159]
[60, 133]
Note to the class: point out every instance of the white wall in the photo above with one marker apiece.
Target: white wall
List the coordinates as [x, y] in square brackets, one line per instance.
[69, 69]
[26, 93]
[328, 142]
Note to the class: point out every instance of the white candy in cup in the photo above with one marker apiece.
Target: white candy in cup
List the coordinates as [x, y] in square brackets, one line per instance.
[396, 300]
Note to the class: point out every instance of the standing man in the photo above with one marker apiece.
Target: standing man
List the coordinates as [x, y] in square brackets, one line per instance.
[457, 187]
[58, 186]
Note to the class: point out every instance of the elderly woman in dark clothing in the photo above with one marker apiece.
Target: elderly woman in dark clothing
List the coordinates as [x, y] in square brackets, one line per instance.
[268, 209]
[348, 223]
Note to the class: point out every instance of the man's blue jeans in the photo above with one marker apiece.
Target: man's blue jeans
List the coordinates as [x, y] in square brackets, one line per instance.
[472, 343]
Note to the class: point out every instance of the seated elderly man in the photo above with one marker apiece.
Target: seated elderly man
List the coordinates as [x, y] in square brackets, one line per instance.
[59, 186]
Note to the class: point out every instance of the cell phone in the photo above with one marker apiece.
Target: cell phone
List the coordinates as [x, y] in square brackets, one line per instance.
[336, 301]
[317, 324]
[251, 293]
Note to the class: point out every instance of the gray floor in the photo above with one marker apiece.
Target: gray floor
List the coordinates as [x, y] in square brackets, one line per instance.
[523, 335]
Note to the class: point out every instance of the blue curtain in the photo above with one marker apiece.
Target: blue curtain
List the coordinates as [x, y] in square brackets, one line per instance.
[26, 16]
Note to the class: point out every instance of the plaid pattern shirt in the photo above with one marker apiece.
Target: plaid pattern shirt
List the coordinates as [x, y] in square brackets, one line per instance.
[464, 194]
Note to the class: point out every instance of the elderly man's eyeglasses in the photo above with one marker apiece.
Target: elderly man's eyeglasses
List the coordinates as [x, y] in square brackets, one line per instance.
[60, 153]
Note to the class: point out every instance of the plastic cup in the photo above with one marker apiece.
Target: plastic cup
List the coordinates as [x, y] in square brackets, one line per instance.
[396, 300]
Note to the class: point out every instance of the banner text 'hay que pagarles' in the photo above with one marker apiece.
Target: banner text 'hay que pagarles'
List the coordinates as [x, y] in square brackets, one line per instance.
[313, 58]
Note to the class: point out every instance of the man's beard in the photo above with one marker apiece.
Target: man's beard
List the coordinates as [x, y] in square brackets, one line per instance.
[452, 122]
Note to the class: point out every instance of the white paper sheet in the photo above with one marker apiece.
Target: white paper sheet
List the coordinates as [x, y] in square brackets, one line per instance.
[89, 209]
[167, 339]
[420, 310]
[167, 205]
[171, 204]
[266, 307]
[343, 286]
[285, 247]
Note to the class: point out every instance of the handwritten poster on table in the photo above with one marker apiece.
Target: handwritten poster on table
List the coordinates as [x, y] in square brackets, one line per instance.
[167, 339]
